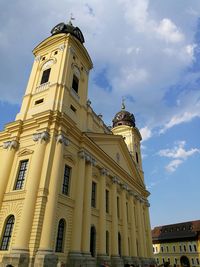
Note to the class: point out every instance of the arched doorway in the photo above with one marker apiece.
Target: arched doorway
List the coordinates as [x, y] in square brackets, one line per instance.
[184, 261]
[93, 241]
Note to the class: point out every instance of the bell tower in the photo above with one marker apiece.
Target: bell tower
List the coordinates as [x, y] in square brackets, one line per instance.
[59, 76]
[124, 124]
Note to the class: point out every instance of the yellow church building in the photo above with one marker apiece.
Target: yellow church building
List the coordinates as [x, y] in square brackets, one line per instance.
[72, 190]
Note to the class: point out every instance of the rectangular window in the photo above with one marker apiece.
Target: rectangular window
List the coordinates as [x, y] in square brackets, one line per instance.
[167, 248]
[66, 180]
[45, 76]
[127, 211]
[192, 261]
[180, 248]
[174, 248]
[190, 248]
[39, 101]
[195, 248]
[75, 83]
[175, 261]
[162, 249]
[21, 174]
[197, 260]
[93, 197]
[184, 247]
[118, 213]
[107, 201]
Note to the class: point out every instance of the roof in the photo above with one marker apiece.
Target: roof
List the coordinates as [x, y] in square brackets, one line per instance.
[178, 231]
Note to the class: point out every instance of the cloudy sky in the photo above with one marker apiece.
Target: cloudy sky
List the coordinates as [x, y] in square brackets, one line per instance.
[146, 51]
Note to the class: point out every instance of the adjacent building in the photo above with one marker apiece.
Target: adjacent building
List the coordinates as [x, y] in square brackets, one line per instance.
[72, 190]
[177, 244]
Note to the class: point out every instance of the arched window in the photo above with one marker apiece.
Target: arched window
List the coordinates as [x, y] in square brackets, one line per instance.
[107, 242]
[93, 241]
[119, 245]
[5, 241]
[60, 236]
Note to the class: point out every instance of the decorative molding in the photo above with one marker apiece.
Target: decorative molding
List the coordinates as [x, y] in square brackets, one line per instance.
[70, 157]
[43, 136]
[62, 140]
[72, 50]
[25, 152]
[37, 58]
[11, 144]
[61, 47]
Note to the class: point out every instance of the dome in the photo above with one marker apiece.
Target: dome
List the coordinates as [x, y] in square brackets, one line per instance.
[68, 28]
[124, 117]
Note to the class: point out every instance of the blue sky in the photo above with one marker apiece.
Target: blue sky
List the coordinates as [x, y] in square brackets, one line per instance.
[145, 51]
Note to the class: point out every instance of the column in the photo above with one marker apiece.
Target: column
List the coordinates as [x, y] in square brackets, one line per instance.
[46, 243]
[87, 206]
[148, 227]
[114, 232]
[133, 227]
[102, 214]
[26, 220]
[124, 223]
[7, 157]
[140, 228]
[78, 209]
[143, 228]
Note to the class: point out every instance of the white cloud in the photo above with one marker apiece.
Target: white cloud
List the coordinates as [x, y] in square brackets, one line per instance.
[178, 119]
[168, 31]
[173, 165]
[146, 133]
[178, 153]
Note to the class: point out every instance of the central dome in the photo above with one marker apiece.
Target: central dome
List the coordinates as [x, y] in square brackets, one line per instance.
[68, 28]
[124, 117]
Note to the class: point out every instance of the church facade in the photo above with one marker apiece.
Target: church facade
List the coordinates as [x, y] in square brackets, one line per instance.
[72, 190]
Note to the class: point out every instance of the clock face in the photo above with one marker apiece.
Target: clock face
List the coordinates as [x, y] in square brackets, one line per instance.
[58, 28]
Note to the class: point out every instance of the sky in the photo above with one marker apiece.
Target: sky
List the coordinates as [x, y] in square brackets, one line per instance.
[145, 51]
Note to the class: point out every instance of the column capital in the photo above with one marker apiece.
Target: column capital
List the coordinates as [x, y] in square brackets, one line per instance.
[62, 140]
[104, 172]
[115, 180]
[11, 144]
[42, 136]
[125, 187]
[88, 158]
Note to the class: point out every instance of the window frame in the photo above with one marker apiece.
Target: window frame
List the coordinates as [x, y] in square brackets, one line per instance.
[45, 76]
[66, 180]
[21, 175]
[59, 248]
[94, 194]
[7, 233]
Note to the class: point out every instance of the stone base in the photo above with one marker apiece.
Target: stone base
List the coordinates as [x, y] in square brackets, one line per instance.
[45, 258]
[116, 261]
[16, 259]
[101, 258]
[77, 259]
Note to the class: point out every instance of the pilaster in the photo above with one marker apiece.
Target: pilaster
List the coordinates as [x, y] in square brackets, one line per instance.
[46, 243]
[124, 222]
[10, 148]
[133, 226]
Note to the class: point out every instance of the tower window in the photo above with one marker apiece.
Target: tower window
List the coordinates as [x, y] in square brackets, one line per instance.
[66, 180]
[45, 76]
[73, 108]
[60, 236]
[7, 233]
[137, 159]
[75, 83]
[21, 174]
[93, 197]
[39, 101]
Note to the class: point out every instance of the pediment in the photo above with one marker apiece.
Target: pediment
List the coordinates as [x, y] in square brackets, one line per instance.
[25, 152]
[70, 157]
[115, 147]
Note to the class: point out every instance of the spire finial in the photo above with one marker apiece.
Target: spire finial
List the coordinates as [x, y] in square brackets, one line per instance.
[123, 103]
[71, 18]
